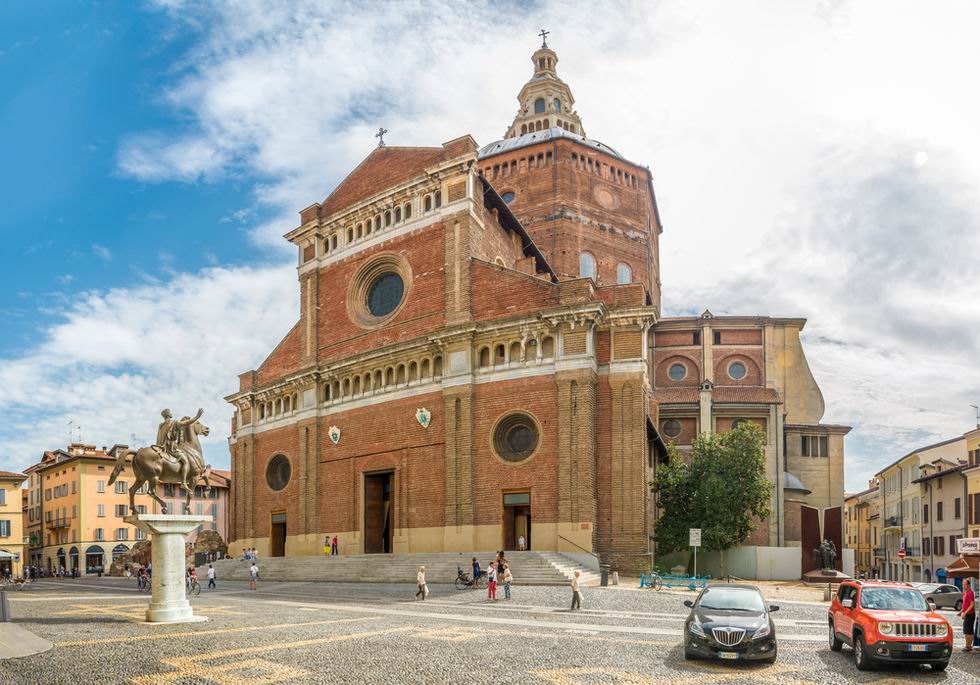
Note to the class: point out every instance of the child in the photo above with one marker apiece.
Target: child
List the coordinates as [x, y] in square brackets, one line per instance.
[423, 588]
[507, 578]
[253, 576]
[576, 593]
[492, 581]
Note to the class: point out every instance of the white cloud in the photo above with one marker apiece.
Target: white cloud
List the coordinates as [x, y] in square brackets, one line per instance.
[102, 252]
[809, 160]
[115, 359]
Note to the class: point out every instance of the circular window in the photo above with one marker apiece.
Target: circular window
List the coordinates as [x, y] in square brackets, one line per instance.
[516, 437]
[278, 471]
[508, 197]
[672, 428]
[379, 290]
[737, 371]
[677, 372]
[385, 294]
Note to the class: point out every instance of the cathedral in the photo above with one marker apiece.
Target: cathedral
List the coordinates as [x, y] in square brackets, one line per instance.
[480, 359]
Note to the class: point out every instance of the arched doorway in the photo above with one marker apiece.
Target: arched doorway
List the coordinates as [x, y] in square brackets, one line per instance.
[118, 551]
[94, 559]
[73, 561]
[927, 576]
[61, 559]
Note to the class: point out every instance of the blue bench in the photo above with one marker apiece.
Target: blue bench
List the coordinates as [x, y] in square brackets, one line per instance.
[658, 581]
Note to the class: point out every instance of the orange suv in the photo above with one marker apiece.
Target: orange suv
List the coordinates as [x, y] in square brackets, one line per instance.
[888, 622]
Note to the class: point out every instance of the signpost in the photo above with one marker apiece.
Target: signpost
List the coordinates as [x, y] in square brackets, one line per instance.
[970, 546]
[694, 540]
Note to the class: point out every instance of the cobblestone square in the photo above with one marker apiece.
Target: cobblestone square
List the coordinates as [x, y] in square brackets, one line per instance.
[373, 633]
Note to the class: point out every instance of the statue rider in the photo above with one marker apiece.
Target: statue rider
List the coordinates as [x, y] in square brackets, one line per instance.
[168, 439]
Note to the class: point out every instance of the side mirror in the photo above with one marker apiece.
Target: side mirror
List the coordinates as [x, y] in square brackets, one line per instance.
[847, 603]
[688, 603]
[773, 607]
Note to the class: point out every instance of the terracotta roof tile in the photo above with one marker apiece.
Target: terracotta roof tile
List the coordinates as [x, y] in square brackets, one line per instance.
[12, 474]
[384, 168]
[676, 395]
[732, 394]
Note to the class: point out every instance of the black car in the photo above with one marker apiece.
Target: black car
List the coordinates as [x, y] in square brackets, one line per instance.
[730, 622]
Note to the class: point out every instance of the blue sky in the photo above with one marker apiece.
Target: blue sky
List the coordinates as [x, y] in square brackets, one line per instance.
[153, 153]
[78, 78]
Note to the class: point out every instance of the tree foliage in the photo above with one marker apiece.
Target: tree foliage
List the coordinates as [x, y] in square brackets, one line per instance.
[722, 489]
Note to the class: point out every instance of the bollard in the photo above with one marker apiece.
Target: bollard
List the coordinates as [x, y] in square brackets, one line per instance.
[4, 607]
[604, 575]
[615, 577]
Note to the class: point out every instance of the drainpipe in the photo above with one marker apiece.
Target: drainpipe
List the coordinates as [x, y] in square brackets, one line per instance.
[932, 540]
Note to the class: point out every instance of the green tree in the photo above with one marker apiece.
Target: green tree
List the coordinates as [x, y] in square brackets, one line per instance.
[722, 489]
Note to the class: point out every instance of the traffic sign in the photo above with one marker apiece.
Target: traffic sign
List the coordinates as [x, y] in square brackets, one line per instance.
[694, 535]
[901, 553]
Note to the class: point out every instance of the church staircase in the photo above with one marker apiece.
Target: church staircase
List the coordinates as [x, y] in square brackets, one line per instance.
[529, 568]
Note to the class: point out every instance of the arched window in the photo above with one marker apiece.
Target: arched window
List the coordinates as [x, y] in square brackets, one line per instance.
[427, 203]
[387, 219]
[398, 214]
[546, 124]
[499, 354]
[413, 372]
[515, 351]
[425, 368]
[484, 357]
[523, 129]
[508, 197]
[571, 127]
[557, 105]
[624, 274]
[586, 265]
[377, 380]
[539, 106]
[408, 211]
[438, 199]
[548, 347]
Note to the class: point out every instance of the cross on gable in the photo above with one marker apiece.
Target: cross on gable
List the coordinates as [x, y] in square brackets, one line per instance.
[544, 38]
[380, 135]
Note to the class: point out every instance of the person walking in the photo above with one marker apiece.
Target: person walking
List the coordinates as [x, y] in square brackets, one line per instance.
[507, 579]
[476, 571]
[576, 593]
[492, 581]
[334, 550]
[211, 577]
[253, 576]
[969, 613]
[423, 590]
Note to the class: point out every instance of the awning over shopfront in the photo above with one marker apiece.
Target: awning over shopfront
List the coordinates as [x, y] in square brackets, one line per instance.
[964, 567]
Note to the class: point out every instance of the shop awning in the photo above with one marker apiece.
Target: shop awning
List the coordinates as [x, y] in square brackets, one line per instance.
[7, 555]
[964, 567]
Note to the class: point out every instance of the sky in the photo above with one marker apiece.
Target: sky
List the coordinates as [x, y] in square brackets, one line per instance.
[810, 159]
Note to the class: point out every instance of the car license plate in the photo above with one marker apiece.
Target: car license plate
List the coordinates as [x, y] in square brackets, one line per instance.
[729, 655]
[918, 648]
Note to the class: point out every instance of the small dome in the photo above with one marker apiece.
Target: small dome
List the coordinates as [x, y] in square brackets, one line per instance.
[508, 144]
[791, 482]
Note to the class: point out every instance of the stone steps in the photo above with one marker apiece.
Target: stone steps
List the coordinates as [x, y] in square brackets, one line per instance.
[529, 568]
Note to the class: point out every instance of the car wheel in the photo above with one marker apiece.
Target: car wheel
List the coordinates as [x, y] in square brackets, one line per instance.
[959, 605]
[772, 659]
[941, 666]
[835, 643]
[689, 656]
[861, 659]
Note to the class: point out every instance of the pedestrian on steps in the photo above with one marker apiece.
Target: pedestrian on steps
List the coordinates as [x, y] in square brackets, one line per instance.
[423, 590]
[333, 547]
[576, 593]
[521, 543]
[492, 581]
[326, 546]
[507, 579]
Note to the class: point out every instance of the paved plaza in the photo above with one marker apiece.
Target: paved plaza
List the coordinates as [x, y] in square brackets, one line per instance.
[346, 633]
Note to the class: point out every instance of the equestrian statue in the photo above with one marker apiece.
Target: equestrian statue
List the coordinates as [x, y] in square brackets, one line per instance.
[175, 458]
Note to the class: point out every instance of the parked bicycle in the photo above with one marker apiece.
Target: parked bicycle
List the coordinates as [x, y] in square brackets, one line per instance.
[463, 581]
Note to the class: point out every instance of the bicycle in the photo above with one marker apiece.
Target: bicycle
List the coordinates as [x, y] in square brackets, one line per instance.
[194, 588]
[463, 581]
[142, 584]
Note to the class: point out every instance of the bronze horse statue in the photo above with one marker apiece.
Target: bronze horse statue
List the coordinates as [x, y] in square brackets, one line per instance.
[154, 465]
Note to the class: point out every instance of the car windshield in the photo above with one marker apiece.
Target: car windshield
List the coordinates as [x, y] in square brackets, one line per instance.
[891, 599]
[926, 588]
[730, 599]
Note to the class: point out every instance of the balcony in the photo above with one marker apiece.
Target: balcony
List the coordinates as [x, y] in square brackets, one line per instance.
[892, 522]
[59, 522]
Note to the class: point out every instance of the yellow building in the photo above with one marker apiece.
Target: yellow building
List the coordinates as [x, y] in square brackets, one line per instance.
[901, 503]
[861, 521]
[972, 439]
[11, 524]
[81, 515]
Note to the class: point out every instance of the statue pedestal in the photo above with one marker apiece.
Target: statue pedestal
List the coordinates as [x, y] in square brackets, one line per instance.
[167, 534]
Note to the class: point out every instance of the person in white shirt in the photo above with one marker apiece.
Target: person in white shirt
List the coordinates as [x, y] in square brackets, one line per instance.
[253, 576]
[211, 577]
[521, 543]
[576, 593]
[423, 588]
[507, 579]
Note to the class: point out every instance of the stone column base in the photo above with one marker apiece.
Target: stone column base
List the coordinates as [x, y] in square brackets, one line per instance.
[167, 533]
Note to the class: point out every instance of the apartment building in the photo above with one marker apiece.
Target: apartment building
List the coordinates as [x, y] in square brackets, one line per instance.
[213, 503]
[11, 524]
[944, 487]
[861, 527]
[77, 517]
[972, 473]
